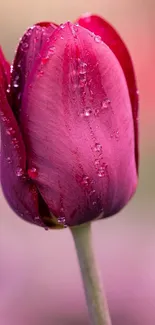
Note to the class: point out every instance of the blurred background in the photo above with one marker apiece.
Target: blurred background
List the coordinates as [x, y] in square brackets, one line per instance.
[40, 281]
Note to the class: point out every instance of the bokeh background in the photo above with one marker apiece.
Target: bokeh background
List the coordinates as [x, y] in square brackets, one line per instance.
[40, 281]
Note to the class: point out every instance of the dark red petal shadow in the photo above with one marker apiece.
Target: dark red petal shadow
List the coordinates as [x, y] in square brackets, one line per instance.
[101, 27]
[27, 53]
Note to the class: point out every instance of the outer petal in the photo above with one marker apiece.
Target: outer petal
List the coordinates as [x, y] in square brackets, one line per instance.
[78, 128]
[4, 69]
[108, 34]
[27, 53]
[20, 193]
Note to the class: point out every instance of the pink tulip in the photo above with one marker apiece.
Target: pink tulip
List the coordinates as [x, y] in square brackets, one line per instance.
[69, 124]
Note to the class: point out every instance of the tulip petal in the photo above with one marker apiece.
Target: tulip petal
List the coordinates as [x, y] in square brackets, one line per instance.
[77, 125]
[20, 193]
[27, 53]
[101, 27]
[5, 69]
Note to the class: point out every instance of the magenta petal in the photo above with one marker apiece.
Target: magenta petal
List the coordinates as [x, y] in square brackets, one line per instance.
[27, 53]
[77, 125]
[19, 192]
[109, 35]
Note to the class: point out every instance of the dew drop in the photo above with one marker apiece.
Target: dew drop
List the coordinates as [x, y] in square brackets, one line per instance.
[32, 172]
[137, 92]
[62, 221]
[92, 192]
[92, 34]
[62, 26]
[96, 112]
[10, 131]
[98, 147]
[117, 135]
[82, 67]
[4, 119]
[41, 73]
[8, 160]
[74, 30]
[19, 172]
[25, 46]
[102, 170]
[15, 83]
[97, 39]
[85, 181]
[87, 111]
[97, 162]
[15, 143]
[11, 68]
[105, 103]
[8, 89]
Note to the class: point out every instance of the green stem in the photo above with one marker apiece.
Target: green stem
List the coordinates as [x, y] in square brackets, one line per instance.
[96, 301]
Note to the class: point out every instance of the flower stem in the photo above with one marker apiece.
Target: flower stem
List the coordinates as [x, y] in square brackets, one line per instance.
[96, 302]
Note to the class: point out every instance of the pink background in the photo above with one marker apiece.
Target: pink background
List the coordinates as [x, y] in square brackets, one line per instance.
[40, 281]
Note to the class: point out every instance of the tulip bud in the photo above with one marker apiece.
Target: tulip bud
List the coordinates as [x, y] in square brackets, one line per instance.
[71, 153]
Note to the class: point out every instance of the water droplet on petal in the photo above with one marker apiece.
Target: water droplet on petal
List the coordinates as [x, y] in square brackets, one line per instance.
[8, 89]
[74, 30]
[25, 46]
[62, 221]
[97, 39]
[10, 131]
[32, 172]
[137, 92]
[92, 34]
[102, 170]
[8, 160]
[19, 172]
[15, 143]
[105, 103]
[85, 181]
[87, 111]
[15, 83]
[82, 67]
[97, 162]
[62, 26]
[117, 135]
[11, 68]
[98, 147]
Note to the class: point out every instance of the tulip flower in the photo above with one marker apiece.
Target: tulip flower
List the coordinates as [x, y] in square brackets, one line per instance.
[69, 124]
